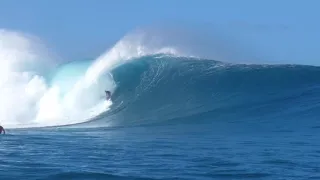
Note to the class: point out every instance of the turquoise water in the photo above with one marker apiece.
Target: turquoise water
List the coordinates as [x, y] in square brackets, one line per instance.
[68, 74]
[180, 118]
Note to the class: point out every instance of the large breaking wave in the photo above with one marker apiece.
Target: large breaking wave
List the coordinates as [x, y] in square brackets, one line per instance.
[151, 83]
[37, 91]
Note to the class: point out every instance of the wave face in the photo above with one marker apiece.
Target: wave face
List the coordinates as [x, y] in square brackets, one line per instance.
[166, 89]
[151, 84]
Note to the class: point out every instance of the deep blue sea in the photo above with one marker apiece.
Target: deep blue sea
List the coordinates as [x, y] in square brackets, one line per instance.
[183, 118]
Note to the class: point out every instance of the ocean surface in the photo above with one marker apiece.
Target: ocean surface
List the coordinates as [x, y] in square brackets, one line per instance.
[170, 117]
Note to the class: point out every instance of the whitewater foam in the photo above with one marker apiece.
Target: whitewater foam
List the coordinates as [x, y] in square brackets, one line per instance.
[27, 98]
[21, 82]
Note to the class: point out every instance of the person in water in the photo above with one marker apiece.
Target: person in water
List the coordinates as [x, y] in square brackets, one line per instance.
[2, 129]
[108, 95]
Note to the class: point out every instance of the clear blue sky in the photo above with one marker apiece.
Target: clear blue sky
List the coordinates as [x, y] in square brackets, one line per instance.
[275, 29]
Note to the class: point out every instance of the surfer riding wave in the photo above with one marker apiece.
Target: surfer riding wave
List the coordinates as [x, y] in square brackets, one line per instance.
[108, 95]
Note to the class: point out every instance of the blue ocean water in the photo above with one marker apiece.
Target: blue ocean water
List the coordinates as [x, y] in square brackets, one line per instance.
[183, 118]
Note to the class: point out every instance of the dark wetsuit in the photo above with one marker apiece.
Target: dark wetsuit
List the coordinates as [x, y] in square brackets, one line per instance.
[2, 130]
[108, 95]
